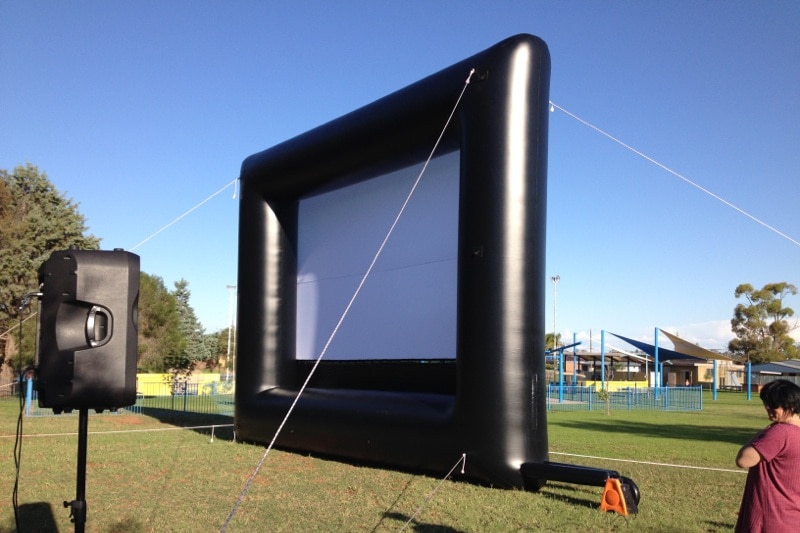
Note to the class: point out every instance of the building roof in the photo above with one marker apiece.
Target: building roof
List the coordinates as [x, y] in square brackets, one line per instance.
[790, 367]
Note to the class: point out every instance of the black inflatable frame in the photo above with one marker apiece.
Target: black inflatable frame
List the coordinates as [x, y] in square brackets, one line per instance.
[488, 403]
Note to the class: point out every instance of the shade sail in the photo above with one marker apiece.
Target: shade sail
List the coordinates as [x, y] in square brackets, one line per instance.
[663, 353]
[686, 347]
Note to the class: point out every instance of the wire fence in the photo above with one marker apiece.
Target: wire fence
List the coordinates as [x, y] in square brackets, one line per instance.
[217, 399]
[9, 389]
[574, 398]
[198, 398]
[187, 398]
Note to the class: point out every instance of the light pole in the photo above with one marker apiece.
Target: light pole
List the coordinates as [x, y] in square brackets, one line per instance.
[555, 280]
[231, 293]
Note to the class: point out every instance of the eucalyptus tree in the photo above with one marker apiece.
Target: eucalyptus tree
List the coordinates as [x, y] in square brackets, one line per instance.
[762, 326]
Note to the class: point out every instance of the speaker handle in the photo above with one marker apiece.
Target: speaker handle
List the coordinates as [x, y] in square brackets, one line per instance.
[98, 321]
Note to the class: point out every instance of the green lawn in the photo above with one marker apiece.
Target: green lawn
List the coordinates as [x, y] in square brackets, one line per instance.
[179, 480]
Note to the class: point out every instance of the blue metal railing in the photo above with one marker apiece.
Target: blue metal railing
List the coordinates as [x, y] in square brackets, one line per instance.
[573, 398]
[185, 398]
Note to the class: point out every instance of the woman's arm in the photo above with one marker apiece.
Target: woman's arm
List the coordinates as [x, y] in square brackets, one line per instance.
[747, 457]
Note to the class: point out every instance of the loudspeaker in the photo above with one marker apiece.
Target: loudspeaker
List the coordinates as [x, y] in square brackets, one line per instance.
[88, 330]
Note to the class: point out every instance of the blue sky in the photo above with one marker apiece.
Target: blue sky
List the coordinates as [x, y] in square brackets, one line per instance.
[140, 111]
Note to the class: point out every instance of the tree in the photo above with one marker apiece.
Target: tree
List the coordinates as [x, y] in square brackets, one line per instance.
[196, 349]
[162, 347]
[761, 327]
[35, 220]
[550, 340]
[212, 343]
[225, 351]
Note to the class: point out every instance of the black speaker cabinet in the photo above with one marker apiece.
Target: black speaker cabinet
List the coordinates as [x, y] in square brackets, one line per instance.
[88, 330]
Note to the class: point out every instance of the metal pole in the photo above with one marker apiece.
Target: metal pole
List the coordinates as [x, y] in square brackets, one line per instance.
[656, 367]
[561, 376]
[603, 359]
[29, 396]
[575, 359]
[78, 505]
[715, 379]
[231, 289]
[555, 279]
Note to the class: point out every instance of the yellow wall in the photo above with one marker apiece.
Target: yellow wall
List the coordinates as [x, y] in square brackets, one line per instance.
[612, 386]
[161, 384]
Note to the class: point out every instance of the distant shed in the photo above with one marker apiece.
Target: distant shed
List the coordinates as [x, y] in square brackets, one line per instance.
[766, 372]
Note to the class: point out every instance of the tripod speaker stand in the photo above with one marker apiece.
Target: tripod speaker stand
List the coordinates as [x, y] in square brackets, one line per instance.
[87, 341]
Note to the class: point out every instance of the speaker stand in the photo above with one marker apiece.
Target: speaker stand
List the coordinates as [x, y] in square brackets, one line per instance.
[78, 505]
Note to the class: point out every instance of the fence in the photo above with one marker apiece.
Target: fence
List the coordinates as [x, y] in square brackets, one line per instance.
[200, 398]
[8, 389]
[217, 399]
[573, 398]
[214, 398]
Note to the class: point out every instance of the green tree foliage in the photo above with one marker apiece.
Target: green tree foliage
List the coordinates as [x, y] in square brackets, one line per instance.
[171, 338]
[212, 344]
[761, 326]
[550, 341]
[196, 349]
[35, 220]
[224, 343]
[162, 346]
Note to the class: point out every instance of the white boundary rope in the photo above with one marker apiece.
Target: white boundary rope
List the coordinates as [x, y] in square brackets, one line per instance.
[463, 457]
[150, 430]
[349, 305]
[650, 463]
[673, 172]
[12, 328]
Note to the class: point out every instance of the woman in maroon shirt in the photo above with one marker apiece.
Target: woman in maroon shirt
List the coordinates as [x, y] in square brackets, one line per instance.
[771, 500]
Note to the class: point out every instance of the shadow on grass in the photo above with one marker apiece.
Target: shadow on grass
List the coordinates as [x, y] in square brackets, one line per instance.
[37, 516]
[198, 422]
[667, 431]
[720, 526]
[421, 527]
[548, 492]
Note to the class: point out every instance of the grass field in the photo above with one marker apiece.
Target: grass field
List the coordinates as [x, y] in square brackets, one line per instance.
[144, 475]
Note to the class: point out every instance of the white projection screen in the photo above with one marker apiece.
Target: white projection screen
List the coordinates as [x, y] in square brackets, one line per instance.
[406, 309]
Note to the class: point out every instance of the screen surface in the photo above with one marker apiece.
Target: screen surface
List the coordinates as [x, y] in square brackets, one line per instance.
[406, 309]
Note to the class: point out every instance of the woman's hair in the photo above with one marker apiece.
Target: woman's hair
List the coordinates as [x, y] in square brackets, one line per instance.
[781, 393]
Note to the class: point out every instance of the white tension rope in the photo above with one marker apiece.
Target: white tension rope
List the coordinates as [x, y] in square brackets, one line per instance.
[463, 461]
[553, 107]
[234, 183]
[349, 304]
[674, 173]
